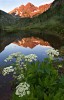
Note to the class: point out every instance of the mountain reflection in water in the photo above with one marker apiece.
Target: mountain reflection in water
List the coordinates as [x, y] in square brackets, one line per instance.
[26, 46]
[31, 42]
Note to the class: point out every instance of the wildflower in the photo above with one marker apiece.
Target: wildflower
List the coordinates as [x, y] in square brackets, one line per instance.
[60, 66]
[20, 77]
[52, 53]
[22, 89]
[30, 57]
[28, 92]
[5, 60]
[7, 70]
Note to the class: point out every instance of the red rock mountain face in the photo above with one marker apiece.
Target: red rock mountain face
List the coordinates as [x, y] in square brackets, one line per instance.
[31, 42]
[29, 10]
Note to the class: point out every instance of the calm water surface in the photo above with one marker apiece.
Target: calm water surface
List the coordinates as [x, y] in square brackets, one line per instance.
[39, 50]
[27, 45]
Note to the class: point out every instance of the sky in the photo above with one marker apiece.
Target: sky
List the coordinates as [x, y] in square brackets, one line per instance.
[8, 5]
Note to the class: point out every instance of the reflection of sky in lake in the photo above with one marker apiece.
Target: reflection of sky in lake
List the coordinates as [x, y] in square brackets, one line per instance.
[39, 50]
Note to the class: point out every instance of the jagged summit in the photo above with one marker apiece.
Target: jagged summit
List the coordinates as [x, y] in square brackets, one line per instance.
[29, 4]
[29, 10]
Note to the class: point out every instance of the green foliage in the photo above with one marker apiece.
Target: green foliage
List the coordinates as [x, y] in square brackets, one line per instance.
[45, 82]
[36, 80]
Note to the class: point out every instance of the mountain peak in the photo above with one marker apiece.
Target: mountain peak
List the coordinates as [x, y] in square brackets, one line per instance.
[21, 6]
[29, 10]
[29, 4]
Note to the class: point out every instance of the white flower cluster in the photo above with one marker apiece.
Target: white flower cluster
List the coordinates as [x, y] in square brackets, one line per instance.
[19, 57]
[30, 57]
[8, 59]
[14, 55]
[21, 76]
[52, 52]
[22, 89]
[60, 66]
[22, 64]
[7, 70]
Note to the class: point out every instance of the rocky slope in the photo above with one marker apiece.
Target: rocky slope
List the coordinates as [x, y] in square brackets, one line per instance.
[29, 10]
